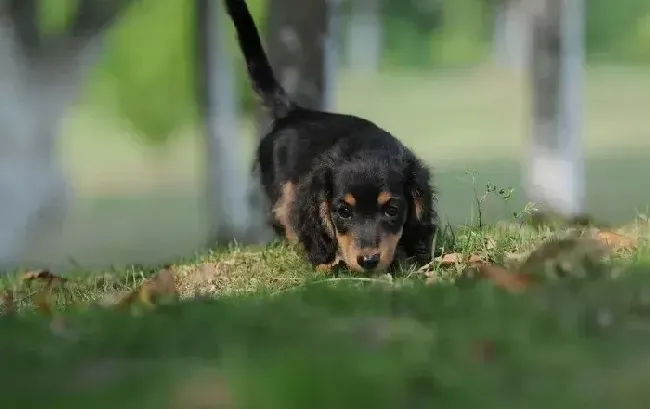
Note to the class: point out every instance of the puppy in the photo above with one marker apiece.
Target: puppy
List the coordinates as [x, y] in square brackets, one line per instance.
[345, 189]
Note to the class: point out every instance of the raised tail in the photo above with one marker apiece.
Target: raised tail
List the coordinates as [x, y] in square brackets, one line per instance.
[260, 72]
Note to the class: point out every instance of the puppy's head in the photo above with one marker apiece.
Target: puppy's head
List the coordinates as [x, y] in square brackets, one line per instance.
[368, 209]
[358, 211]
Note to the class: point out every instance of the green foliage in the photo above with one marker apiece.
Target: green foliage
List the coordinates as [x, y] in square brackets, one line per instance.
[462, 38]
[441, 32]
[146, 73]
[54, 15]
[619, 31]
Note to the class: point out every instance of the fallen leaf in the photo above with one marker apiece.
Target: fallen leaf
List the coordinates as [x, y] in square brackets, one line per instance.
[8, 302]
[456, 258]
[490, 243]
[42, 275]
[160, 285]
[505, 279]
[514, 259]
[42, 301]
[484, 351]
[616, 240]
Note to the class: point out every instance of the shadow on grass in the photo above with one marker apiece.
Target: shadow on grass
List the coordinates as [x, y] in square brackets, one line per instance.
[341, 345]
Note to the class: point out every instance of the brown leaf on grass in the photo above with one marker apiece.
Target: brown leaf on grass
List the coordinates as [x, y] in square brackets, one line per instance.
[42, 301]
[8, 303]
[460, 258]
[616, 240]
[484, 351]
[159, 286]
[505, 279]
[203, 388]
[44, 275]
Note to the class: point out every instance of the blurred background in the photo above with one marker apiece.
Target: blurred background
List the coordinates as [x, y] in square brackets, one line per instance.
[451, 78]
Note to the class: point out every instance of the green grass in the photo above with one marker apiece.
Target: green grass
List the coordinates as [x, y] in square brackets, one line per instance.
[255, 327]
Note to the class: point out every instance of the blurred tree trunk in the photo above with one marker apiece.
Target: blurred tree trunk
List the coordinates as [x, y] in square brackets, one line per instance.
[296, 44]
[512, 34]
[555, 178]
[229, 211]
[39, 77]
[364, 36]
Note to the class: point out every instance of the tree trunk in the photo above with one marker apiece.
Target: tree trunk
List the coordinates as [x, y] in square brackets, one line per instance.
[35, 91]
[364, 36]
[230, 213]
[332, 52]
[555, 172]
[39, 79]
[296, 44]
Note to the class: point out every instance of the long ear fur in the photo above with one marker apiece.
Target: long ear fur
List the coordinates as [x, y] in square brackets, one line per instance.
[311, 216]
[421, 220]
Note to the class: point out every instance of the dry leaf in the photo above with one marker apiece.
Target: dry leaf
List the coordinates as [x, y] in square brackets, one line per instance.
[505, 279]
[42, 275]
[8, 305]
[484, 351]
[128, 299]
[160, 285]
[513, 260]
[456, 258]
[490, 243]
[41, 299]
[616, 240]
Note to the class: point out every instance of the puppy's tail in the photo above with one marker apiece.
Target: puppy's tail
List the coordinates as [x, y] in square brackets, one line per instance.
[274, 97]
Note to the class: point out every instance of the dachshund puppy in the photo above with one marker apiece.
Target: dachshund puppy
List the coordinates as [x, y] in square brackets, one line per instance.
[345, 189]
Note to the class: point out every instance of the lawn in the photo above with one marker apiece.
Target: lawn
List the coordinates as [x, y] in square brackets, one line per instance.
[540, 316]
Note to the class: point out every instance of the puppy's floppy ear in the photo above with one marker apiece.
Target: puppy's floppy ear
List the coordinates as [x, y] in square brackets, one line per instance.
[311, 215]
[421, 216]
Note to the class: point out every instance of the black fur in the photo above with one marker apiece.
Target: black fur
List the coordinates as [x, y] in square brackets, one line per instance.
[327, 156]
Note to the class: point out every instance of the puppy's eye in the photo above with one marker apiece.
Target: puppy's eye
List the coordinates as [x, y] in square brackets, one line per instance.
[391, 211]
[344, 212]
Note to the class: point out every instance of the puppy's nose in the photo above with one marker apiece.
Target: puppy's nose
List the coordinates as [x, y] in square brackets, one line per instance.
[368, 262]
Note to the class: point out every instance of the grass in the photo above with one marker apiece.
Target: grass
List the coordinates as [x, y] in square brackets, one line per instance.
[255, 327]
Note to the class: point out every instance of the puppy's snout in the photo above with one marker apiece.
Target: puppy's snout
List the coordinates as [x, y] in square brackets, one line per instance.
[368, 262]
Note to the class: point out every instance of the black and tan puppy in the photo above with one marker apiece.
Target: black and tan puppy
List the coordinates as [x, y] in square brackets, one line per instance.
[345, 189]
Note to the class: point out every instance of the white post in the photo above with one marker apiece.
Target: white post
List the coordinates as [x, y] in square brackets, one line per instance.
[364, 36]
[511, 37]
[331, 53]
[227, 180]
[556, 169]
[573, 44]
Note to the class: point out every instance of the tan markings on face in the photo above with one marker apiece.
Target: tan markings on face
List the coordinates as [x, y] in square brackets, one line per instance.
[324, 213]
[387, 247]
[281, 210]
[418, 207]
[348, 251]
[349, 199]
[383, 198]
